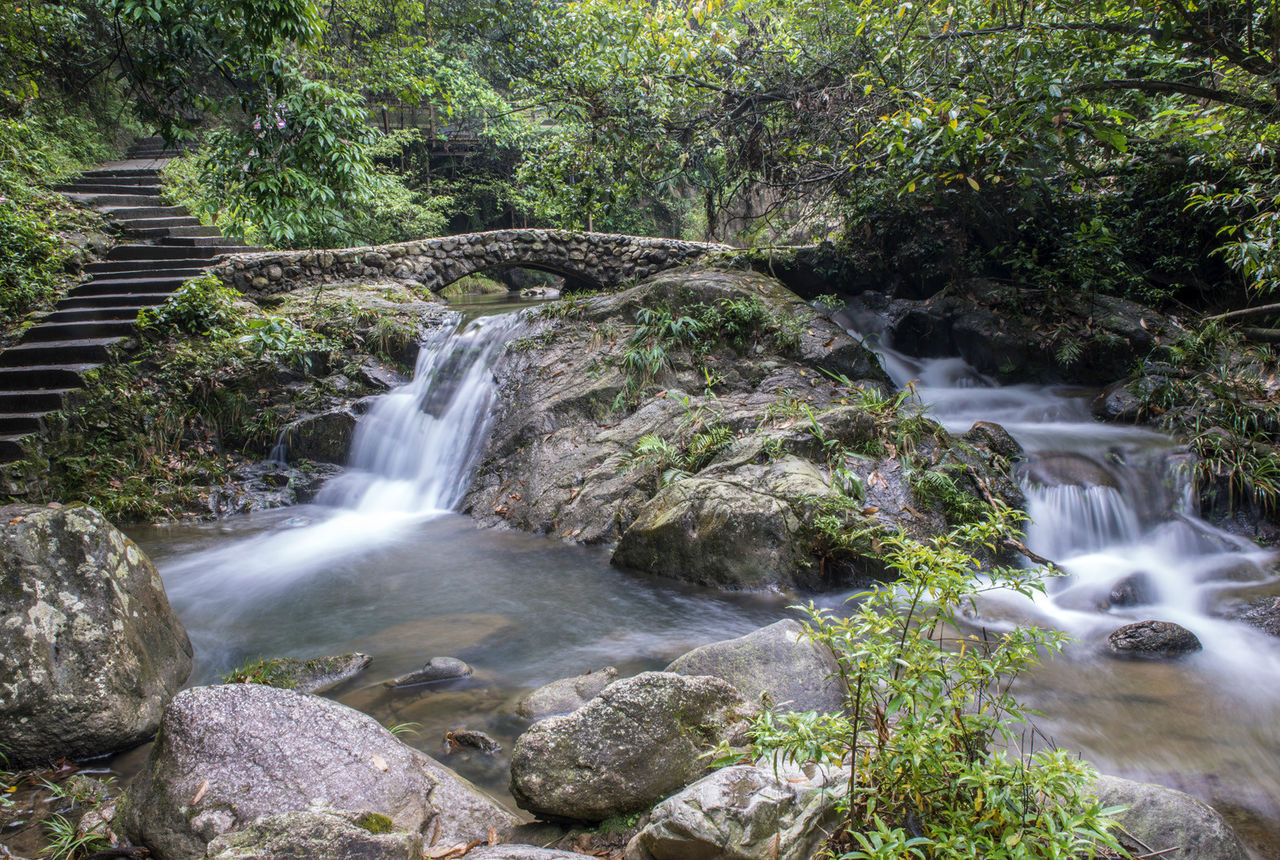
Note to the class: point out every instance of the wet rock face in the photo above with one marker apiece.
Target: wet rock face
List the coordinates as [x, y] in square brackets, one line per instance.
[1152, 640]
[796, 673]
[562, 456]
[734, 529]
[318, 835]
[1164, 819]
[554, 460]
[565, 695]
[639, 741]
[90, 650]
[1263, 614]
[1001, 332]
[742, 813]
[227, 755]
[434, 670]
[325, 437]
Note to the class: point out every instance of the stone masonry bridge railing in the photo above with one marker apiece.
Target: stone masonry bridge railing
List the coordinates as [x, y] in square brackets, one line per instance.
[593, 259]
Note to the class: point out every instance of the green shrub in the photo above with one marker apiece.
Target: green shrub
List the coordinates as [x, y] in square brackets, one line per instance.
[203, 306]
[929, 722]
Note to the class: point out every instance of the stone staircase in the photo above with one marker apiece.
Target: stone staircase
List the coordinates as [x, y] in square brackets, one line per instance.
[164, 246]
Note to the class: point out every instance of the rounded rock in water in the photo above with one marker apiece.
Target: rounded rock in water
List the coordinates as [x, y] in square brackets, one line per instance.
[1153, 640]
[436, 669]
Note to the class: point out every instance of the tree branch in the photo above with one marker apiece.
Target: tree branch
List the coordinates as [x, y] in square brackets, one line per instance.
[1148, 85]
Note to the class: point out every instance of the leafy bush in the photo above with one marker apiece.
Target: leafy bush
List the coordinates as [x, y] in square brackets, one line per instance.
[36, 150]
[282, 338]
[930, 729]
[1217, 393]
[202, 306]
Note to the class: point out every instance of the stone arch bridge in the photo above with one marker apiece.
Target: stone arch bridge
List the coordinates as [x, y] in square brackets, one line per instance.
[583, 259]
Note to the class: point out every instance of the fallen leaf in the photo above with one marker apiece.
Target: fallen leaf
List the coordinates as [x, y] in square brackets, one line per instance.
[379, 762]
[200, 792]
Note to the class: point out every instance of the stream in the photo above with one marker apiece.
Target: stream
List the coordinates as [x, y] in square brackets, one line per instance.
[381, 564]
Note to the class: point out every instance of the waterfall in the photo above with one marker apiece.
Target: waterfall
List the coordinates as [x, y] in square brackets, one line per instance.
[415, 448]
[412, 458]
[1112, 506]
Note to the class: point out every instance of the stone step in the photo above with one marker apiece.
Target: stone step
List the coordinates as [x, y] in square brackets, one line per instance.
[33, 400]
[22, 422]
[116, 172]
[120, 310]
[59, 352]
[198, 241]
[125, 286]
[44, 377]
[108, 202]
[136, 224]
[196, 229]
[118, 268]
[75, 303]
[127, 214]
[48, 332]
[145, 232]
[83, 189]
[130, 180]
[166, 252]
[11, 447]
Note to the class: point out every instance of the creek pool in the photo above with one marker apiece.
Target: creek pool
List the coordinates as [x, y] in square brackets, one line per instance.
[380, 565]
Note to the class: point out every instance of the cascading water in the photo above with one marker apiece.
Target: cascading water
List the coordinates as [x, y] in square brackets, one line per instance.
[414, 450]
[411, 460]
[1114, 508]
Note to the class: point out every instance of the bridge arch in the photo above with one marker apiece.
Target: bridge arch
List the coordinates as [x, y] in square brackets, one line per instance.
[601, 259]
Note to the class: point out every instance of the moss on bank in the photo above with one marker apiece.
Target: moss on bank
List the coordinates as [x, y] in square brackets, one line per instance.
[167, 429]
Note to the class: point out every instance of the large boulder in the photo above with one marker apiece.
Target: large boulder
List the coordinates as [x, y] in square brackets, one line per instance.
[639, 741]
[325, 437]
[520, 852]
[565, 695]
[1166, 820]
[321, 834]
[90, 650]
[742, 813]
[796, 673]
[735, 529]
[229, 754]
[555, 460]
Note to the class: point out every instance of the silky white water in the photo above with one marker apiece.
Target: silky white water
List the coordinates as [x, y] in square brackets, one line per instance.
[1114, 508]
[383, 567]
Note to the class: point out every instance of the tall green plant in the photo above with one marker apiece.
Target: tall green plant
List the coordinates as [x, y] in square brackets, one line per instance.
[931, 731]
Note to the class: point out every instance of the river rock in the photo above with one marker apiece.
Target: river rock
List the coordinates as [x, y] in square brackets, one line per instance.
[1000, 331]
[520, 852]
[90, 650]
[565, 695]
[322, 834]
[1152, 640]
[228, 755]
[796, 673]
[308, 676]
[639, 741]
[435, 669]
[740, 813]
[995, 438]
[1263, 614]
[325, 438]
[1136, 589]
[739, 529]
[1075, 470]
[1165, 819]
